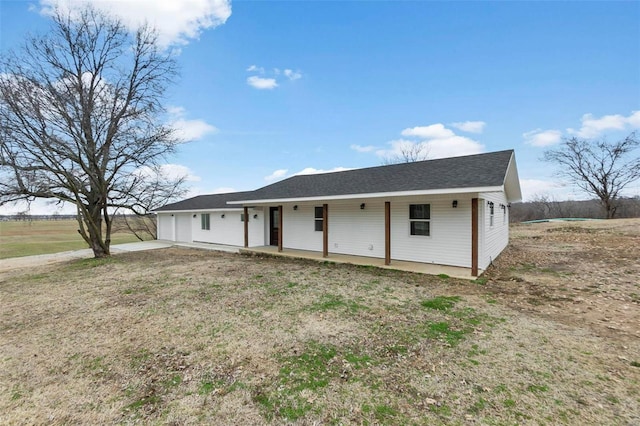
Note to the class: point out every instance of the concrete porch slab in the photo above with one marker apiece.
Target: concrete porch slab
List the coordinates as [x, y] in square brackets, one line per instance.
[399, 265]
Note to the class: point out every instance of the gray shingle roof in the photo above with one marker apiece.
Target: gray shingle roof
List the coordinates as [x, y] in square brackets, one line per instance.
[201, 202]
[472, 171]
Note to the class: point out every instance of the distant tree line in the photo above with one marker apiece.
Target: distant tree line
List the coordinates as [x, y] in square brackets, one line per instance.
[544, 207]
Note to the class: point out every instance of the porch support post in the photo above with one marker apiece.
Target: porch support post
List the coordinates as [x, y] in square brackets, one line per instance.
[387, 232]
[280, 228]
[474, 237]
[325, 230]
[246, 227]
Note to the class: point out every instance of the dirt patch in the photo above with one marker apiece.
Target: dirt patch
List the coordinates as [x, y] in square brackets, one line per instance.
[583, 274]
[186, 336]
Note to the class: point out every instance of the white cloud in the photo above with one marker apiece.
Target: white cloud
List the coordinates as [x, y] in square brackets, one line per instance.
[433, 131]
[360, 148]
[292, 75]
[270, 79]
[169, 171]
[541, 138]
[278, 174]
[262, 83]
[177, 22]
[174, 171]
[534, 188]
[253, 68]
[223, 190]
[43, 206]
[313, 171]
[38, 207]
[188, 130]
[282, 173]
[593, 127]
[470, 126]
[435, 140]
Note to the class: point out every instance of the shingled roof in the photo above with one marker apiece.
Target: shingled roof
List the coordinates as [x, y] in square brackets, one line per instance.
[203, 202]
[472, 171]
[488, 170]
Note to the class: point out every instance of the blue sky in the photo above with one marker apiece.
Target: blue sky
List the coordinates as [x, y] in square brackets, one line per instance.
[269, 89]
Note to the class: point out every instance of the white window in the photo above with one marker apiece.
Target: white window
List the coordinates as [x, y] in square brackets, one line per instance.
[205, 222]
[419, 219]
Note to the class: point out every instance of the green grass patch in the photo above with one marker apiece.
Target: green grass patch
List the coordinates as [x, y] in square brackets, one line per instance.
[29, 238]
[443, 331]
[441, 303]
[330, 302]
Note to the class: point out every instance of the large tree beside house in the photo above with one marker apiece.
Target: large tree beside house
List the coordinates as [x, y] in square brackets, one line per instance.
[81, 119]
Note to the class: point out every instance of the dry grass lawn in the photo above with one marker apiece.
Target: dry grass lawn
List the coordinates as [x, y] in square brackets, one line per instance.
[28, 238]
[184, 336]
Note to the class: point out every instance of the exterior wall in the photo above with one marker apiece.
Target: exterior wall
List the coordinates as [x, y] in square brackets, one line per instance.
[299, 227]
[493, 238]
[165, 226]
[183, 227]
[450, 229]
[230, 229]
[360, 232]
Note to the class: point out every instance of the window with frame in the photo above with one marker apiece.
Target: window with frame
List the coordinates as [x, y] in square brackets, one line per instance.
[205, 221]
[420, 219]
[319, 219]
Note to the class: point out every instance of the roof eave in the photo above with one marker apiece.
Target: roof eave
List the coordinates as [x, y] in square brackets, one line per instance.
[442, 191]
[213, 209]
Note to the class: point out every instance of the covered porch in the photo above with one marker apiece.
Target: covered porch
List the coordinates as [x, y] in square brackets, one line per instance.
[399, 265]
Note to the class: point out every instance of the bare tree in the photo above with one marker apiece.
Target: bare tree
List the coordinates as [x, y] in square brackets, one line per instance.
[80, 113]
[599, 168]
[408, 153]
[159, 190]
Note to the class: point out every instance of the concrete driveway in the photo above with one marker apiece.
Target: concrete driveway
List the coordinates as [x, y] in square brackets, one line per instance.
[46, 259]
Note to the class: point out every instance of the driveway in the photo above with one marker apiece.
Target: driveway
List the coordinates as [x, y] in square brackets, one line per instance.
[46, 259]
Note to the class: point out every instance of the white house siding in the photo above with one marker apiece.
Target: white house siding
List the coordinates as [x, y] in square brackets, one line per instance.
[183, 227]
[356, 231]
[494, 238]
[360, 232]
[450, 229]
[299, 227]
[230, 229]
[165, 226]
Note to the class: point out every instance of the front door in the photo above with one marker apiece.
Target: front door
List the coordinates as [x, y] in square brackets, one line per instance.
[274, 225]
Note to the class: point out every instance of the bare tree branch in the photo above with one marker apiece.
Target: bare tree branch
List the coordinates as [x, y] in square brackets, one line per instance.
[598, 168]
[80, 114]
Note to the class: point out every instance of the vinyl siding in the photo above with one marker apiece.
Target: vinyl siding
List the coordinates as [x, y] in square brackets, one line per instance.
[356, 231]
[450, 229]
[494, 238]
[299, 227]
[360, 232]
[228, 230]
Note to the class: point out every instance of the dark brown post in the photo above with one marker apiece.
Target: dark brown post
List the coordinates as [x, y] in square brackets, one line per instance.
[246, 227]
[387, 233]
[325, 230]
[280, 228]
[474, 237]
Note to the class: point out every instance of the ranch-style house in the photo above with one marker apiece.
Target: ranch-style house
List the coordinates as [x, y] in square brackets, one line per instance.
[449, 211]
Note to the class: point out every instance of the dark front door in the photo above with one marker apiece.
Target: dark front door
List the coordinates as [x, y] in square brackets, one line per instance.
[274, 225]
